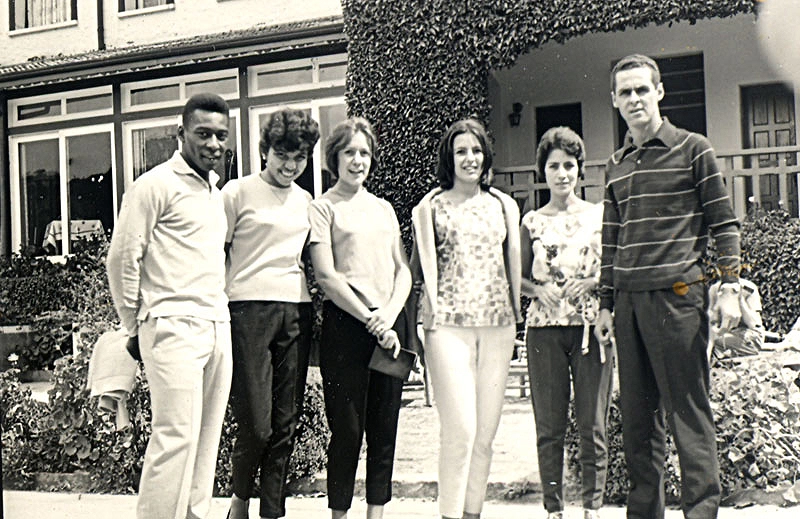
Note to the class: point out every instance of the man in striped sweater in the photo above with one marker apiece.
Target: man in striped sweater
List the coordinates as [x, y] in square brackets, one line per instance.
[663, 196]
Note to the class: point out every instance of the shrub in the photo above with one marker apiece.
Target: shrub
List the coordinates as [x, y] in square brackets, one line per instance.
[771, 256]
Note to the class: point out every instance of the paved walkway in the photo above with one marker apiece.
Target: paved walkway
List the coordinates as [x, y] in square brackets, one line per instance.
[37, 505]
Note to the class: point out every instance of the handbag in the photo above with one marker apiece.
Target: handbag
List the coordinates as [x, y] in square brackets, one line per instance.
[383, 362]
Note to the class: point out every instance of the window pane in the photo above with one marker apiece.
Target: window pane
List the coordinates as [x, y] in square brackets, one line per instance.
[40, 198]
[329, 116]
[129, 5]
[91, 206]
[160, 94]
[42, 109]
[332, 71]
[228, 168]
[89, 104]
[152, 146]
[284, 78]
[220, 86]
[36, 13]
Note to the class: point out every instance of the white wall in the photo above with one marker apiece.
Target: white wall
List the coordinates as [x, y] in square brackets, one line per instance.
[578, 71]
[187, 18]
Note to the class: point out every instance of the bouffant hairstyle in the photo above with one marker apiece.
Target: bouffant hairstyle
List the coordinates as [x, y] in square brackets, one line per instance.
[340, 137]
[559, 138]
[635, 61]
[289, 130]
[446, 171]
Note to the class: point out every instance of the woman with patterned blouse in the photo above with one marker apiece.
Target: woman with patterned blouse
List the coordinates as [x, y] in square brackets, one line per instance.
[467, 257]
[560, 270]
[360, 263]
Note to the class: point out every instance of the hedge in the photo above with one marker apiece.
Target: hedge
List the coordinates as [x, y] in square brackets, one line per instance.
[416, 67]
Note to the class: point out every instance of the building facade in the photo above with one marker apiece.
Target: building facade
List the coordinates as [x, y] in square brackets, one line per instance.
[92, 91]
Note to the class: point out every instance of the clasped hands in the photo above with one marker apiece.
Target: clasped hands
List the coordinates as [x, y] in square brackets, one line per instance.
[379, 323]
[551, 294]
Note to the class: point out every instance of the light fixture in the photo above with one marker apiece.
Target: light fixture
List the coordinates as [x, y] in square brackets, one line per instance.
[515, 115]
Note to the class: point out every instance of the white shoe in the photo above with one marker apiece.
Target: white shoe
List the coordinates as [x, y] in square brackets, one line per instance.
[590, 514]
[555, 515]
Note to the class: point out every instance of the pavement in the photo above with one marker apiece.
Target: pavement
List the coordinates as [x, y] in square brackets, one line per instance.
[514, 489]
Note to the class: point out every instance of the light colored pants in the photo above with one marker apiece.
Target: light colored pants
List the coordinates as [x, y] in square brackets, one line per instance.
[468, 368]
[188, 366]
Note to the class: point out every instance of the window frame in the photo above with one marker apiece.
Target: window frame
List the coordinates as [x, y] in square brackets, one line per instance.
[127, 88]
[13, 29]
[15, 188]
[64, 97]
[122, 12]
[314, 84]
[314, 106]
[129, 127]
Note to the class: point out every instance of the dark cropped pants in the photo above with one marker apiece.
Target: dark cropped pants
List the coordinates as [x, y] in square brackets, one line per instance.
[271, 342]
[357, 401]
[662, 341]
[555, 358]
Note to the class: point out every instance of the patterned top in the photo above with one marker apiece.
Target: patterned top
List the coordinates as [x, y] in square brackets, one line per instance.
[473, 287]
[565, 246]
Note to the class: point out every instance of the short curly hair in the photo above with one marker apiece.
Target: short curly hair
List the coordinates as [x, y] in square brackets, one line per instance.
[340, 137]
[446, 168]
[289, 130]
[559, 138]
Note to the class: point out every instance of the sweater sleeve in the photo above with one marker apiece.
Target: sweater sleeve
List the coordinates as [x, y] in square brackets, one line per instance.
[611, 223]
[717, 210]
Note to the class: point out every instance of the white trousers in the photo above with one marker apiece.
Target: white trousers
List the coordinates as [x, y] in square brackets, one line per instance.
[468, 368]
[188, 366]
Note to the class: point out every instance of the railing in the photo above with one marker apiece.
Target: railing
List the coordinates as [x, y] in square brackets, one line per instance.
[760, 177]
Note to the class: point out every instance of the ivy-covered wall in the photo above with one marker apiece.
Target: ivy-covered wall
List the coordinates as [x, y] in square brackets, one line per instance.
[417, 66]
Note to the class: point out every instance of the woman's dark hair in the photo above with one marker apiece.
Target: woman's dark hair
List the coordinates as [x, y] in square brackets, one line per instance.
[445, 171]
[560, 138]
[340, 137]
[289, 130]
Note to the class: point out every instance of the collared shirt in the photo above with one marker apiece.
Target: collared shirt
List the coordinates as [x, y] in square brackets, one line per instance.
[661, 201]
[167, 253]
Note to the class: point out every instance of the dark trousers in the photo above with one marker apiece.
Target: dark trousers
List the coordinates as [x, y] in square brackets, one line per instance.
[663, 370]
[271, 342]
[554, 356]
[357, 401]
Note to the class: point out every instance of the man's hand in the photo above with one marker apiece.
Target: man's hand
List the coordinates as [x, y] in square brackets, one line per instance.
[604, 327]
[727, 311]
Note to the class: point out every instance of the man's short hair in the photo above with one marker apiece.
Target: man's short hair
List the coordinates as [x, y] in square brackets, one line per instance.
[635, 61]
[204, 101]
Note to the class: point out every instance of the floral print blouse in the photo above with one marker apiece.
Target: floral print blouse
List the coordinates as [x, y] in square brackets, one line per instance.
[473, 286]
[565, 246]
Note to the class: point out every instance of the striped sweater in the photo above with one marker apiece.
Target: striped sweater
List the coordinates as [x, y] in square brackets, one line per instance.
[661, 201]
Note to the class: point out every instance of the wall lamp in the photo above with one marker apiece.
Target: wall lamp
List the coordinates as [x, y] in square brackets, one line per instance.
[515, 115]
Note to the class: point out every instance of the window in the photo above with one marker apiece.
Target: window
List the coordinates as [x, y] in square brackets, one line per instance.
[174, 91]
[684, 100]
[150, 142]
[26, 14]
[132, 5]
[303, 74]
[59, 107]
[328, 113]
[62, 187]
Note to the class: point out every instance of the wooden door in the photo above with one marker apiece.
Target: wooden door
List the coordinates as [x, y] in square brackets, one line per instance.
[769, 121]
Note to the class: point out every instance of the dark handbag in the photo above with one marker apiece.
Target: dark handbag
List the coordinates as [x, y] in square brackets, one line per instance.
[383, 362]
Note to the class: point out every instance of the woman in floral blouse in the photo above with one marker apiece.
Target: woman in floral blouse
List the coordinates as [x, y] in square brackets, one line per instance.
[561, 249]
[467, 256]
